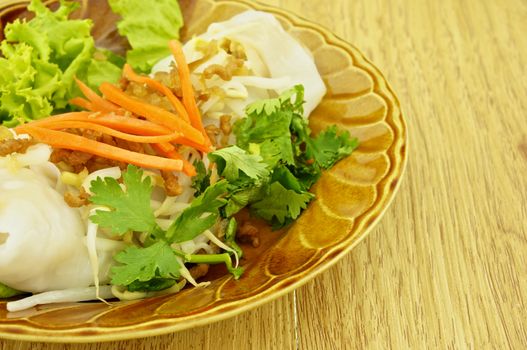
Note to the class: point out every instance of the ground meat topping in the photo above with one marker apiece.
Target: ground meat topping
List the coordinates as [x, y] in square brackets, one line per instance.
[224, 72]
[9, 146]
[225, 124]
[212, 132]
[77, 201]
[199, 270]
[172, 186]
[248, 233]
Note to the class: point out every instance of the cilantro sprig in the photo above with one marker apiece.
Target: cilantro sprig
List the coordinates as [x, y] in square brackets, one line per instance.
[270, 171]
[129, 208]
[155, 265]
[275, 130]
[144, 264]
[281, 205]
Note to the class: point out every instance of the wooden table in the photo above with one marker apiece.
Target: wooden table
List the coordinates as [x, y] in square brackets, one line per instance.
[447, 265]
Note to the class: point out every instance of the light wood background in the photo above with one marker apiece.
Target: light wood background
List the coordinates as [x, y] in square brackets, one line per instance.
[447, 266]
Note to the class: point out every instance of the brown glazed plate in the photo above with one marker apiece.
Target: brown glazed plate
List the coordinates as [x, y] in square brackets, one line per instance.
[350, 198]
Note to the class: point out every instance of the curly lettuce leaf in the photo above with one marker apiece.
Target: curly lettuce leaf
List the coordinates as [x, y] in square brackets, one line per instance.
[148, 26]
[41, 58]
[26, 85]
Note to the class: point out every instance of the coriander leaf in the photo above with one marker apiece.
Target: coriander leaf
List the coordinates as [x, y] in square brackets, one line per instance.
[283, 175]
[268, 107]
[282, 102]
[201, 181]
[277, 150]
[145, 264]
[130, 209]
[330, 146]
[281, 205]
[231, 160]
[200, 215]
[241, 197]
[258, 128]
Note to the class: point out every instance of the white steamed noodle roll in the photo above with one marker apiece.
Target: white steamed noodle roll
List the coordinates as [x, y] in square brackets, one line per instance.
[52, 173]
[34, 215]
[269, 50]
[261, 82]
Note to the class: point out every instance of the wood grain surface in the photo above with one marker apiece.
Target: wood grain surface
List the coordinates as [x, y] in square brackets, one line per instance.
[447, 266]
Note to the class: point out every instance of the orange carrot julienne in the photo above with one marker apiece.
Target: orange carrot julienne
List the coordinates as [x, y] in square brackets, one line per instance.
[164, 147]
[97, 101]
[82, 103]
[61, 139]
[59, 125]
[130, 125]
[187, 167]
[155, 85]
[117, 122]
[150, 112]
[65, 116]
[186, 87]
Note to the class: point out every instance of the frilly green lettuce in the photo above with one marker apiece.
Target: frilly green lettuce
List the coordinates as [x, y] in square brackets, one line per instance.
[148, 26]
[41, 58]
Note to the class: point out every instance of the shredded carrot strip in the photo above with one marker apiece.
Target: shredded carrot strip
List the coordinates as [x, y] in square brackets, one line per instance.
[117, 122]
[112, 132]
[153, 113]
[186, 87]
[82, 103]
[61, 139]
[155, 85]
[130, 125]
[187, 167]
[97, 101]
[164, 147]
[64, 116]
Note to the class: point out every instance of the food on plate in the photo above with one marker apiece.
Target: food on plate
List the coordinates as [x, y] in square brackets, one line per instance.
[130, 185]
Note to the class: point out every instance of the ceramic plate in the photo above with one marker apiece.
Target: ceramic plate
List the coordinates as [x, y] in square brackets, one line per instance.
[351, 197]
